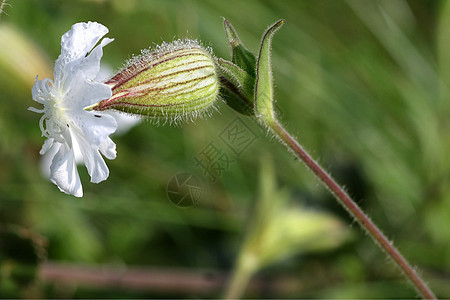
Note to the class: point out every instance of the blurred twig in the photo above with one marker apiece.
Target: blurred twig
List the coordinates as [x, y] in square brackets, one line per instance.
[145, 279]
[182, 281]
[173, 281]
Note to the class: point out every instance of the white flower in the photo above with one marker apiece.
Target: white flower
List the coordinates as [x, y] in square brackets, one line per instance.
[69, 128]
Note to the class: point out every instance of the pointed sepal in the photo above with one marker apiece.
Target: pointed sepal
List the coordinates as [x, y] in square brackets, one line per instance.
[241, 57]
[264, 107]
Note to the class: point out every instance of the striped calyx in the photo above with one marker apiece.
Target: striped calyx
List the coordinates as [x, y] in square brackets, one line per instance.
[173, 82]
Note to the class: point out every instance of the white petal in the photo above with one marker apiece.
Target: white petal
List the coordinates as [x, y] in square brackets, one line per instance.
[97, 168]
[75, 45]
[91, 64]
[97, 127]
[79, 40]
[124, 122]
[47, 158]
[64, 173]
[82, 92]
[94, 162]
[105, 72]
[47, 145]
[108, 149]
[91, 133]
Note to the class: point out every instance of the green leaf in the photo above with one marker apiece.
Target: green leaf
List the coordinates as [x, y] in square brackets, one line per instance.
[264, 85]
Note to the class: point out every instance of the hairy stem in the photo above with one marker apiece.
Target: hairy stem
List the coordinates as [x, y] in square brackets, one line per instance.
[354, 210]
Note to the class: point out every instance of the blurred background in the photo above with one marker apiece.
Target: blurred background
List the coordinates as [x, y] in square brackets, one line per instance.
[364, 85]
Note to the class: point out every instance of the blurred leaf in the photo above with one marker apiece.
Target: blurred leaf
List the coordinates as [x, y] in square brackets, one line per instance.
[72, 236]
[21, 59]
[297, 230]
[278, 230]
[443, 41]
[21, 252]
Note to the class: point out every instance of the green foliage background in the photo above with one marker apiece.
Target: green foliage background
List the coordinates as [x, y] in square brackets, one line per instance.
[364, 85]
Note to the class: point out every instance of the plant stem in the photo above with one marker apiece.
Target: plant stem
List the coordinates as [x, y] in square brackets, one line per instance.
[242, 273]
[354, 210]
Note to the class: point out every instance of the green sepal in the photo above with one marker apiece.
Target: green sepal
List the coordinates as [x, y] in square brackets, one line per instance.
[237, 87]
[240, 56]
[235, 99]
[241, 79]
[264, 84]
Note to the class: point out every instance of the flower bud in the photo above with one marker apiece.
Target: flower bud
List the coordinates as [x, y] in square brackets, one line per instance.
[175, 81]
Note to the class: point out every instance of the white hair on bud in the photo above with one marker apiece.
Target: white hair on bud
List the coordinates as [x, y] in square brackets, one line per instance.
[150, 54]
[177, 120]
